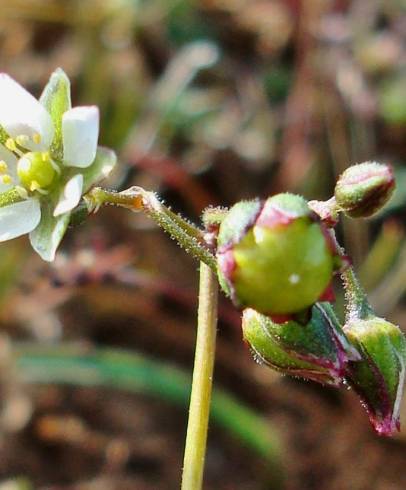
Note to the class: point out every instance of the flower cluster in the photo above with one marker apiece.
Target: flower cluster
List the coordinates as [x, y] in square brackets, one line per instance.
[276, 259]
[48, 158]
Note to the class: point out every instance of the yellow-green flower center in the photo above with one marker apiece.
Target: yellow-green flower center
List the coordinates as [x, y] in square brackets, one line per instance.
[36, 171]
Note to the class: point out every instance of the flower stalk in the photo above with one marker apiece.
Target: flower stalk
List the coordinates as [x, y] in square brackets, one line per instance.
[191, 239]
[196, 438]
[188, 236]
[357, 304]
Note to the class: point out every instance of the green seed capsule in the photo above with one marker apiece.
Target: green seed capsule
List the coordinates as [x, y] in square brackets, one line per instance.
[274, 256]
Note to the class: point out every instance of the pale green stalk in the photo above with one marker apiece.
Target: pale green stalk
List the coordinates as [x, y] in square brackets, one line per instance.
[196, 437]
[191, 239]
[357, 301]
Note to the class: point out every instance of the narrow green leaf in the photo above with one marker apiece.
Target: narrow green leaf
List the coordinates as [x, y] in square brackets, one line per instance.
[56, 99]
[103, 164]
[48, 234]
[124, 370]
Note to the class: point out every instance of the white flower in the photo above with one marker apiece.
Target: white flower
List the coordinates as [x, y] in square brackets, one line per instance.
[46, 154]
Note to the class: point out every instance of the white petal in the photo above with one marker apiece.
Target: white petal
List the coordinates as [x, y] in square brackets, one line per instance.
[8, 156]
[70, 196]
[11, 161]
[80, 132]
[22, 114]
[5, 187]
[19, 218]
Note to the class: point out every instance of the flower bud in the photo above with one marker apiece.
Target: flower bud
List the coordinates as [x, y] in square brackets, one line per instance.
[274, 256]
[318, 350]
[364, 189]
[379, 377]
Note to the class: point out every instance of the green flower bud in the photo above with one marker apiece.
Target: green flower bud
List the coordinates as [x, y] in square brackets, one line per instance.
[317, 351]
[364, 189]
[379, 377]
[274, 256]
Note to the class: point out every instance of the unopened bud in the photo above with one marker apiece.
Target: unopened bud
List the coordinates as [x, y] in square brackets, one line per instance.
[318, 350]
[379, 377]
[364, 189]
[274, 256]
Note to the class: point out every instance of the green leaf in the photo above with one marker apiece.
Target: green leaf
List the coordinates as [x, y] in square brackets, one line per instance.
[103, 164]
[47, 236]
[56, 99]
[136, 373]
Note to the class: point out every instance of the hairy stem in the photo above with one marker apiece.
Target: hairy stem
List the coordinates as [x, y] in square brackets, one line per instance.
[191, 239]
[196, 437]
[185, 233]
[358, 306]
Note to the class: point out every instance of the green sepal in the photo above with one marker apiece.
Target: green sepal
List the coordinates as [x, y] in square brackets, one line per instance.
[100, 169]
[317, 350]
[266, 349]
[319, 337]
[232, 229]
[47, 236]
[236, 222]
[379, 377]
[292, 205]
[57, 100]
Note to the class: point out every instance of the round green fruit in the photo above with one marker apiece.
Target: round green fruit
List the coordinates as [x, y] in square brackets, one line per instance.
[274, 256]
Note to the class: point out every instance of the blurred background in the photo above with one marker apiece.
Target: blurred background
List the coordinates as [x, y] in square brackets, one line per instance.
[205, 102]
